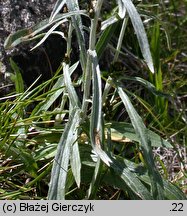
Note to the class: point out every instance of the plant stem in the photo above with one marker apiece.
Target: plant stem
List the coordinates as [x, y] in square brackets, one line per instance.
[69, 39]
[88, 71]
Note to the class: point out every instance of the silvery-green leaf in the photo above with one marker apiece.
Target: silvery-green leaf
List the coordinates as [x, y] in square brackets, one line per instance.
[58, 6]
[141, 131]
[51, 30]
[95, 122]
[57, 186]
[140, 32]
[122, 9]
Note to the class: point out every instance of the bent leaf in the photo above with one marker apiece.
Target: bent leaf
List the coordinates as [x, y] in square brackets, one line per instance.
[140, 32]
[32, 33]
[141, 131]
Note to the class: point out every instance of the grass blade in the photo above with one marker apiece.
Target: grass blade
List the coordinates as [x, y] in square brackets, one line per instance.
[19, 85]
[104, 39]
[51, 98]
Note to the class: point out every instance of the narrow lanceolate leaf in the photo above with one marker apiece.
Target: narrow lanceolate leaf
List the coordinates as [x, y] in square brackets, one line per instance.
[60, 90]
[76, 163]
[57, 185]
[95, 183]
[32, 33]
[73, 5]
[73, 97]
[140, 32]
[96, 129]
[156, 181]
[131, 180]
[58, 6]
[171, 191]
[51, 30]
